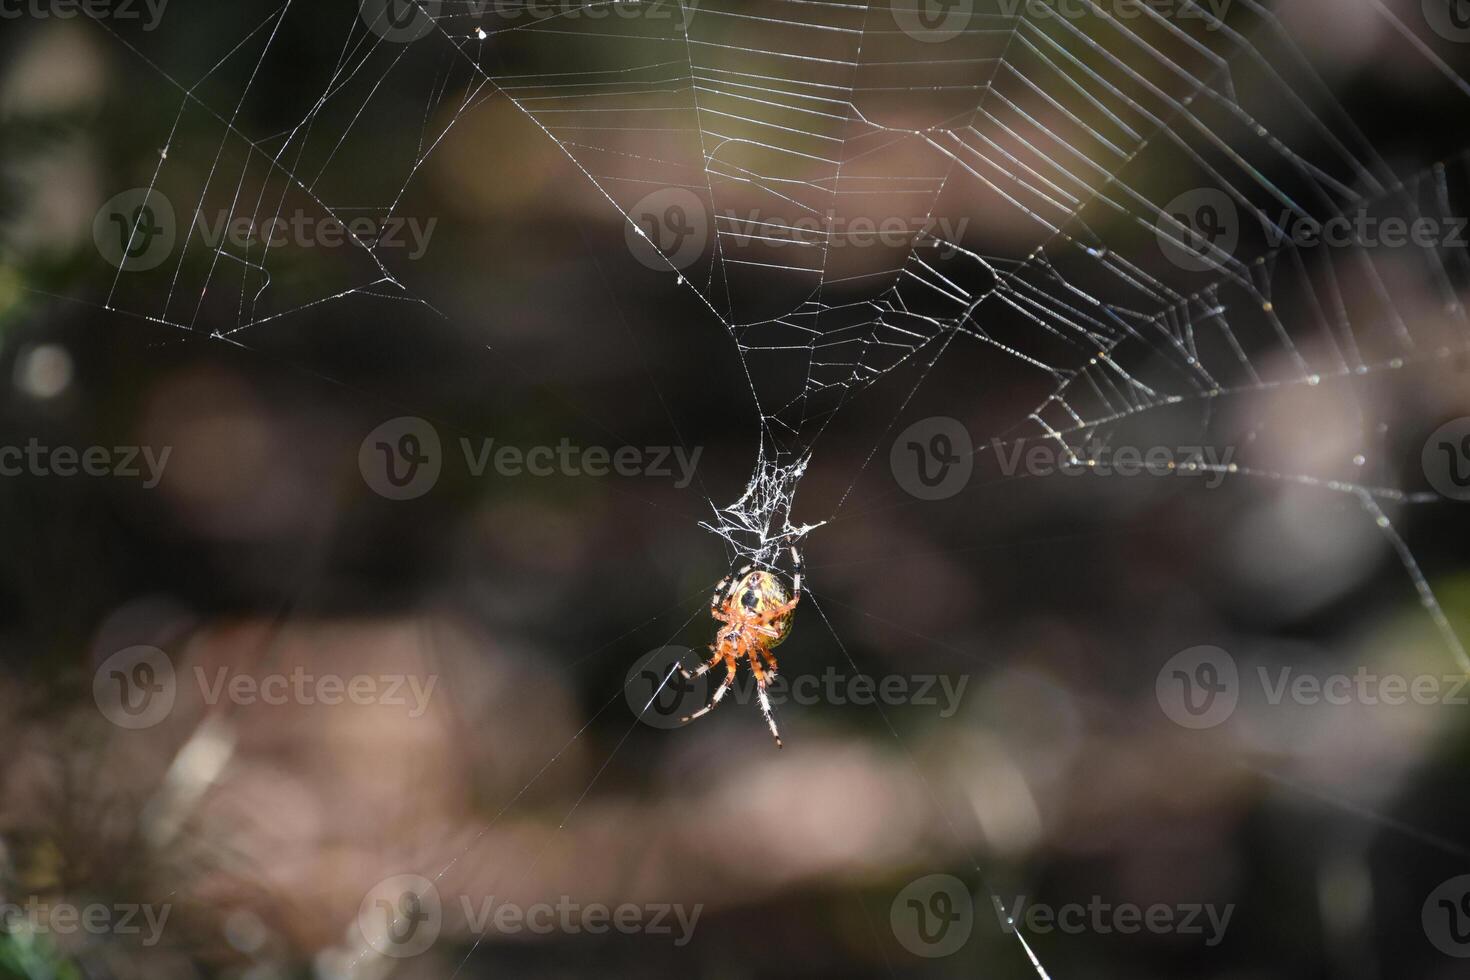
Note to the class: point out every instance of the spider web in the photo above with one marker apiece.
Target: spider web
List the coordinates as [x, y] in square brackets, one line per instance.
[774, 136]
[791, 121]
[1035, 154]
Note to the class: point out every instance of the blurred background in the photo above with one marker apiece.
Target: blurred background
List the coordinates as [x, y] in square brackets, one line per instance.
[1031, 756]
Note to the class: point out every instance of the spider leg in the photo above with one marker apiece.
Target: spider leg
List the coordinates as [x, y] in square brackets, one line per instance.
[796, 570]
[760, 692]
[760, 620]
[720, 587]
[703, 668]
[720, 693]
[725, 588]
[770, 660]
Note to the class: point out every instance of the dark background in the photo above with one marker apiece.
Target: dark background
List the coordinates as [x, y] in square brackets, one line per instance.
[1059, 778]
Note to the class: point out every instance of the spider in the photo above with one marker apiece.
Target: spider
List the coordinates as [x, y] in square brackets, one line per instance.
[757, 610]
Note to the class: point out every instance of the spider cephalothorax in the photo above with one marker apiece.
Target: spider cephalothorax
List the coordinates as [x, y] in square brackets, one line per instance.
[756, 609]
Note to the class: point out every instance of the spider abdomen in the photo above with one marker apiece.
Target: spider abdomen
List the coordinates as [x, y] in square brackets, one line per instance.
[759, 593]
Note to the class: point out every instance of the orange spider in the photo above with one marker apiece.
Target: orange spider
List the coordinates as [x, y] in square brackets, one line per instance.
[757, 610]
